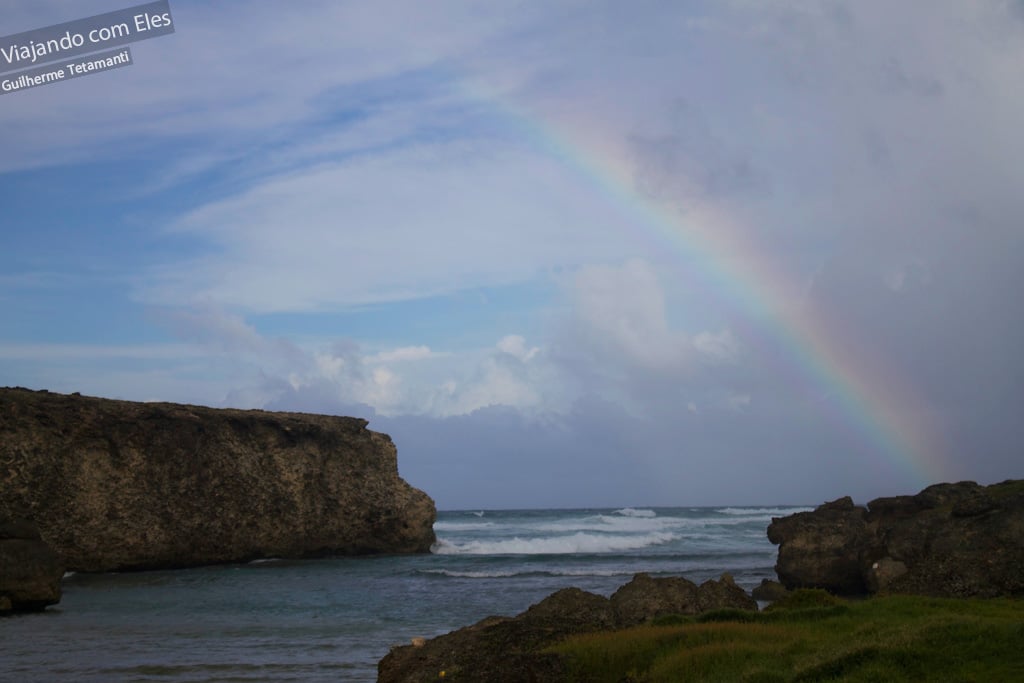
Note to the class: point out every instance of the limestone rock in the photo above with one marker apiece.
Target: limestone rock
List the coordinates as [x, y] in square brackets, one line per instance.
[953, 540]
[821, 549]
[723, 594]
[645, 598]
[116, 485]
[30, 571]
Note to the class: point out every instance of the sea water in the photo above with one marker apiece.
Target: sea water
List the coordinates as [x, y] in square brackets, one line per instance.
[333, 619]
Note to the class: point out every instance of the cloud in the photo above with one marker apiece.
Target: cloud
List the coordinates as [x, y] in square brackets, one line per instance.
[226, 75]
[621, 310]
[406, 224]
[618, 340]
[405, 353]
[408, 380]
[515, 345]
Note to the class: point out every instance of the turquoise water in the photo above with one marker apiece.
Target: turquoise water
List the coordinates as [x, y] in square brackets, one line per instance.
[333, 619]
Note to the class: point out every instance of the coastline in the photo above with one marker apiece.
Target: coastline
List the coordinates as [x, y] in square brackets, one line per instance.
[333, 619]
[943, 549]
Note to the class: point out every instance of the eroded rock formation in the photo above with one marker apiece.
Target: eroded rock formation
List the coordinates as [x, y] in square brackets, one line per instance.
[123, 485]
[953, 540]
[509, 650]
[30, 571]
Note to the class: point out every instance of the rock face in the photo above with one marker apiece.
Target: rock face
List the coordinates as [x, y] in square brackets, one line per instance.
[953, 540]
[122, 485]
[509, 650]
[821, 548]
[30, 571]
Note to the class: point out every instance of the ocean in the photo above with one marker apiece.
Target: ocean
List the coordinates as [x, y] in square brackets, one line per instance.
[333, 619]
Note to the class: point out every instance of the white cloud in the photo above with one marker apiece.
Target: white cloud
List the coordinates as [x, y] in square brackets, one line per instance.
[406, 224]
[515, 345]
[226, 74]
[404, 353]
[622, 310]
[621, 314]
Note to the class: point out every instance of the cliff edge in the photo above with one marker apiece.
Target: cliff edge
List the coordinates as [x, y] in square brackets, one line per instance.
[116, 485]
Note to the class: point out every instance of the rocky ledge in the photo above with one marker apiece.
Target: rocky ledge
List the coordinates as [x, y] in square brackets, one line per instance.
[116, 485]
[949, 540]
[511, 649]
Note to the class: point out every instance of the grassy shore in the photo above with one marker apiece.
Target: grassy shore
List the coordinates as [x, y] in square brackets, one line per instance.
[812, 636]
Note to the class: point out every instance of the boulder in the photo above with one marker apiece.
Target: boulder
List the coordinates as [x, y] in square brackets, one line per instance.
[822, 549]
[950, 540]
[30, 571]
[118, 485]
[723, 594]
[645, 598]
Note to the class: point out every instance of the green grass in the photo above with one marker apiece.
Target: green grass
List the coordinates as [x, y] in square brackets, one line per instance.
[1007, 489]
[812, 636]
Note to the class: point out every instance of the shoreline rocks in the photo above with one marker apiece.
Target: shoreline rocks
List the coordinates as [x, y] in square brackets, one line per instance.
[120, 485]
[510, 649]
[949, 540]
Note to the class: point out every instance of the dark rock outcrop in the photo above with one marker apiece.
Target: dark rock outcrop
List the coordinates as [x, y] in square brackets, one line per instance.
[952, 540]
[645, 598]
[30, 571]
[819, 549]
[769, 591]
[123, 485]
[510, 650]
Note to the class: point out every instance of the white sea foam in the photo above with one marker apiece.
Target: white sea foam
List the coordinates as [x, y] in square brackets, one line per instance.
[633, 512]
[610, 523]
[558, 545]
[462, 526]
[504, 574]
[762, 512]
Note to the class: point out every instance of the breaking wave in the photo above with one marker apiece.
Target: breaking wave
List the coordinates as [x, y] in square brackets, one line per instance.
[504, 574]
[462, 526]
[633, 512]
[762, 512]
[558, 545]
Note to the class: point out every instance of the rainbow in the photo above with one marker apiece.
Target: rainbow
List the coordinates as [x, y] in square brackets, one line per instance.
[858, 391]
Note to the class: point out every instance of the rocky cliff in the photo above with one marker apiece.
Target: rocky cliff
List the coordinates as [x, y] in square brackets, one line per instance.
[122, 485]
[951, 540]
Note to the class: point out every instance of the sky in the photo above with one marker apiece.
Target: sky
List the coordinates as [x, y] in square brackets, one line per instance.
[566, 254]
